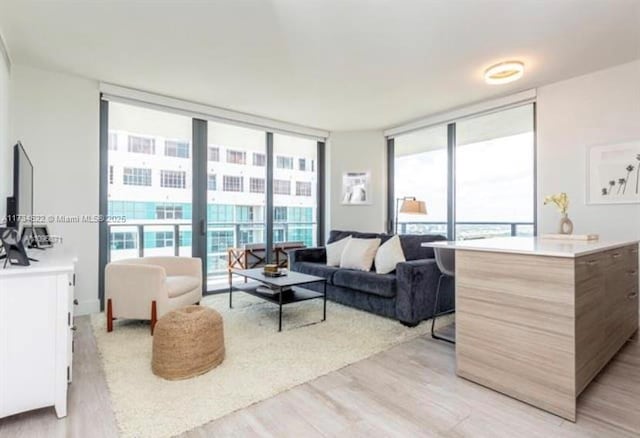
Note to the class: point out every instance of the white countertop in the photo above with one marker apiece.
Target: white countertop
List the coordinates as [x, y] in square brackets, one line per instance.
[533, 246]
[55, 259]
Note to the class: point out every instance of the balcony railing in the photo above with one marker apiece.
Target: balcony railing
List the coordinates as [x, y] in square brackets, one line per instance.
[469, 230]
[134, 245]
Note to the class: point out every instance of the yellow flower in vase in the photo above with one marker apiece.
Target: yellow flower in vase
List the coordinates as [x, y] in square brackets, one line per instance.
[561, 201]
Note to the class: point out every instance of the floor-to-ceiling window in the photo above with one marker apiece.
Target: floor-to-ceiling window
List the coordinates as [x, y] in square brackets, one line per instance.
[149, 185]
[295, 184]
[236, 201]
[421, 173]
[155, 187]
[494, 169]
[476, 176]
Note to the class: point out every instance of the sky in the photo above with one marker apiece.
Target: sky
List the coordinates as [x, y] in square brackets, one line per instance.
[494, 181]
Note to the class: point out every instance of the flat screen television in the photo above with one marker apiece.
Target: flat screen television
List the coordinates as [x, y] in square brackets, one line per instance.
[20, 205]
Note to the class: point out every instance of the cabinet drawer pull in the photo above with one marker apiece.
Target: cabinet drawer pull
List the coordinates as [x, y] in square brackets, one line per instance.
[74, 328]
[75, 302]
[632, 295]
[615, 255]
[592, 262]
[632, 272]
[634, 251]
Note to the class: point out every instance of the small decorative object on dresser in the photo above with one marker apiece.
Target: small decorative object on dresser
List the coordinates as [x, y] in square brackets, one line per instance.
[561, 200]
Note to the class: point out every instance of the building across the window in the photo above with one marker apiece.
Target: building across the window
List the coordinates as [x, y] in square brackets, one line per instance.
[176, 148]
[113, 141]
[169, 212]
[259, 159]
[214, 153]
[256, 185]
[176, 179]
[303, 188]
[281, 187]
[232, 183]
[142, 145]
[212, 182]
[164, 239]
[284, 162]
[236, 157]
[280, 214]
[136, 176]
[123, 240]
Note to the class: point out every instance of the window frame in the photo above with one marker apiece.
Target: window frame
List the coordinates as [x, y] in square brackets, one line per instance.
[451, 174]
[173, 179]
[177, 146]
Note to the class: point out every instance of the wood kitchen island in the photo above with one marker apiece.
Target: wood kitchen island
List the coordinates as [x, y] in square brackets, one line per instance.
[538, 319]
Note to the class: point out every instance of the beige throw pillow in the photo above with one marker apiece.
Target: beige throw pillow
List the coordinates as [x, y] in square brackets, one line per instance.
[389, 255]
[359, 254]
[334, 251]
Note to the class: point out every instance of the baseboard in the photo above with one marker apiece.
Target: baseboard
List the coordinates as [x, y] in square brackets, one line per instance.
[87, 307]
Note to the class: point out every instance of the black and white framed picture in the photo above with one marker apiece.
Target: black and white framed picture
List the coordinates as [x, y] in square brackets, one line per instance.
[356, 188]
[613, 173]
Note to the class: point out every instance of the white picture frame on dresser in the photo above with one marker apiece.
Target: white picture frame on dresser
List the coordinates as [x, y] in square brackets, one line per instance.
[36, 333]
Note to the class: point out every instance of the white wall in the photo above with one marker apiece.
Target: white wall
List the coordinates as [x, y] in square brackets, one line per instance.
[595, 109]
[355, 151]
[5, 142]
[56, 116]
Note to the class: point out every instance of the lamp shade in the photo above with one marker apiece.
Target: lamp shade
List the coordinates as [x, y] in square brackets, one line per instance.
[413, 206]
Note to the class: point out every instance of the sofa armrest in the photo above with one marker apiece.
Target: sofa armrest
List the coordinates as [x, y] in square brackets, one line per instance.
[315, 255]
[132, 287]
[417, 281]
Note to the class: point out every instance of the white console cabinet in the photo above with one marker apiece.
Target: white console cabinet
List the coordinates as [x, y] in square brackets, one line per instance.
[36, 332]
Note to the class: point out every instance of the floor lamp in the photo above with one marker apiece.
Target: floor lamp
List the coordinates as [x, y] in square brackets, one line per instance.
[410, 205]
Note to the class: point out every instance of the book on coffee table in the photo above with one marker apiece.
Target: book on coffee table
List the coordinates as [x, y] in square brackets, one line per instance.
[268, 290]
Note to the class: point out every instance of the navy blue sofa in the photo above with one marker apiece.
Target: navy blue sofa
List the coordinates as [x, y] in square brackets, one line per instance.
[406, 294]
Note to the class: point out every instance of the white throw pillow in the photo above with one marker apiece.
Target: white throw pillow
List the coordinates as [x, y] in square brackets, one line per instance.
[334, 251]
[389, 255]
[359, 254]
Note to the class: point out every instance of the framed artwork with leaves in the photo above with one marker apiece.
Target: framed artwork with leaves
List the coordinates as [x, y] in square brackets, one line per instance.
[613, 173]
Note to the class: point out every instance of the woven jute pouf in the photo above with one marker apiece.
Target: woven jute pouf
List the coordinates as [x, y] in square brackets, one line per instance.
[187, 342]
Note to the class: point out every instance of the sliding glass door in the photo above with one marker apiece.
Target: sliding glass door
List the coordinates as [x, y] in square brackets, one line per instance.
[476, 176]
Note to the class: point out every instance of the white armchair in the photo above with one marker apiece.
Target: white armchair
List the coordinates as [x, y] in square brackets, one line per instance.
[148, 287]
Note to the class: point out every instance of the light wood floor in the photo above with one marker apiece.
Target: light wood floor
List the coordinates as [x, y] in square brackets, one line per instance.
[409, 390]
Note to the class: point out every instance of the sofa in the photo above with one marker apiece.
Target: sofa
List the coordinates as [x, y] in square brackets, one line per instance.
[406, 294]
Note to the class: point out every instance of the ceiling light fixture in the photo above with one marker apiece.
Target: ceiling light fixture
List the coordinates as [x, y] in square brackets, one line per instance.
[504, 72]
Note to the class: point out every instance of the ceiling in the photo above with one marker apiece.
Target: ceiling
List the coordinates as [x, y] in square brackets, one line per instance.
[331, 64]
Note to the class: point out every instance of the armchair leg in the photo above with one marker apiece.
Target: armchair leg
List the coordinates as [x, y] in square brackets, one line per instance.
[154, 316]
[109, 316]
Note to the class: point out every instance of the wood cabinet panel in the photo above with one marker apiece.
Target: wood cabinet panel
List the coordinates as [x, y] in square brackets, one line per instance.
[540, 328]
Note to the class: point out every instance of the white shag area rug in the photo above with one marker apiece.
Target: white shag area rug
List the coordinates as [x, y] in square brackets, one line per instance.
[259, 363]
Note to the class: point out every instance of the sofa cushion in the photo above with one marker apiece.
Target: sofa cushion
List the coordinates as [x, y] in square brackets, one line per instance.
[317, 269]
[178, 285]
[411, 245]
[389, 255]
[335, 250]
[359, 254]
[368, 282]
